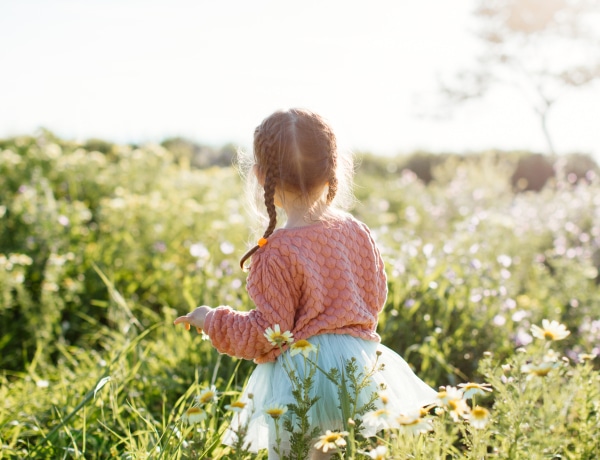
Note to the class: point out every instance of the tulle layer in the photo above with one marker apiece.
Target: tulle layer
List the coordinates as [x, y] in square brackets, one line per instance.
[269, 386]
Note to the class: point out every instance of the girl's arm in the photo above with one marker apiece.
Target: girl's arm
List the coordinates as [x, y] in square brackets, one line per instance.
[241, 334]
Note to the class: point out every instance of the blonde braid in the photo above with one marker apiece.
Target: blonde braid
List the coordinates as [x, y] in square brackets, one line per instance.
[333, 181]
[268, 147]
[332, 188]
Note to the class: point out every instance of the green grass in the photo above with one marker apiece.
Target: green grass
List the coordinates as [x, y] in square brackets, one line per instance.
[99, 252]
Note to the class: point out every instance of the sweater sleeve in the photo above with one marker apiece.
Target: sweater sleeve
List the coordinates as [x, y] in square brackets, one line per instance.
[272, 288]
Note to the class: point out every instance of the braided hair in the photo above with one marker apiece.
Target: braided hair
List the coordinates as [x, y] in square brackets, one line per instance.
[294, 150]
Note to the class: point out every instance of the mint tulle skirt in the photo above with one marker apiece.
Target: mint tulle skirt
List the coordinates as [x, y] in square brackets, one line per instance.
[270, 385]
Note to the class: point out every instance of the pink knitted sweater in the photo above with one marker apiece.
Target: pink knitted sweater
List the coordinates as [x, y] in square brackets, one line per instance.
[326, 278]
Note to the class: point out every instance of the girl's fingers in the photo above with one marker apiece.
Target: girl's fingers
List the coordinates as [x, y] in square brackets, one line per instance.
[184, 320]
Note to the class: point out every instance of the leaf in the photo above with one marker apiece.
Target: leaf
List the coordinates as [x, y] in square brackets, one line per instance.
[101, 383]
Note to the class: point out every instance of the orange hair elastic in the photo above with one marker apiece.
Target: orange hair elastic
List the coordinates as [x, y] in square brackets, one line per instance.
[262, 242]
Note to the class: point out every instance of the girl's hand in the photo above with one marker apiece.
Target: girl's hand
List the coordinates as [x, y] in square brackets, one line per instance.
[194, 318]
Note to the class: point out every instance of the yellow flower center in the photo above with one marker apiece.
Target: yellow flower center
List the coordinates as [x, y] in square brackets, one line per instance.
[549, 335]
[332, 437]
[301, 344]
[275, 413]
[206, 397]
[238, 405]
[479, 412]
[278, 338]
[194, 411]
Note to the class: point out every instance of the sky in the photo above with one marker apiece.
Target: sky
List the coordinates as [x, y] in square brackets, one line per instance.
[143, 70]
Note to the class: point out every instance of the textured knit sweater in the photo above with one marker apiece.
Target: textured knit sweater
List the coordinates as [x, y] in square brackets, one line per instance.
[326, 278]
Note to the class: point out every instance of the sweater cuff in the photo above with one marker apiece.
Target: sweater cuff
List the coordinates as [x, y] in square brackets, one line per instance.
[210, 316]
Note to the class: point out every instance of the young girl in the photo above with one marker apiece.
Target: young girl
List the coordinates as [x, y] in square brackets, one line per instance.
[320, 276]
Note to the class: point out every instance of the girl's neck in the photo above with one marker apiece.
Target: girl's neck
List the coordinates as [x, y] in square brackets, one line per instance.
[303, 218]
[302, 211]
[301, 214]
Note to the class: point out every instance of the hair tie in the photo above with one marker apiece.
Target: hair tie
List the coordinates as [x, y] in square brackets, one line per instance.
[262, 242]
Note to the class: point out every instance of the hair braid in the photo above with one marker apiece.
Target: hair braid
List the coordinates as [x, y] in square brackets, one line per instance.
[268, 146]
[270, 203]
[333, 182]
[333, 163]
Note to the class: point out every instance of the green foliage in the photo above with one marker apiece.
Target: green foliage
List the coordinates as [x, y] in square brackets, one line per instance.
[189, 153]
[103, 245]
[558, 412]
[297, 423]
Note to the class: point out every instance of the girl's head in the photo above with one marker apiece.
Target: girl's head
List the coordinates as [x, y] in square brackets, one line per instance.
[296, 151]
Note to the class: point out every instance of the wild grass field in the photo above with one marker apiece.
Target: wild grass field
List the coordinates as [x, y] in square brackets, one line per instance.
[101, 250]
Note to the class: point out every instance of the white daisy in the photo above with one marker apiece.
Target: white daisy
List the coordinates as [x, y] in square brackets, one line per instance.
[479, 417]
[237, 406]
[550, 330]
[414, 424]
[302, 346]
[278, 338]
[193, 415]
[379, 419]
[207, 395]
[276, 411]
[331, 441]
[379, 453]
[471, 389]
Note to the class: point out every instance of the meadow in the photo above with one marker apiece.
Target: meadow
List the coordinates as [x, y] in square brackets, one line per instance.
[101, 247]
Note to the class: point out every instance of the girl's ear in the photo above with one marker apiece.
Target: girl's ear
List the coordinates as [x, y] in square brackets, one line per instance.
[260, 175]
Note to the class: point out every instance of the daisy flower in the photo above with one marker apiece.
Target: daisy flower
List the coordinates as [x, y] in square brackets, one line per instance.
[447, 394]
[585, 357]
[193, 415]
[451, 398]
[302, 346]
[379, 453]
[539, 370]
[471, 389]
[551, 356]
[236, 406]
[276, 411]
[278, 338]
[331, 441]
[479, 417]
[207, 395]
[550, 330]
[379, 418]
[413, 423]
[458, 408]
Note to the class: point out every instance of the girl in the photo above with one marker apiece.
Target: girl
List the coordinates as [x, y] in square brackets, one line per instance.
[320, 276]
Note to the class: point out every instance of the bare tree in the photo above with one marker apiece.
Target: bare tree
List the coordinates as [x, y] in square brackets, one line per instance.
[543, 48]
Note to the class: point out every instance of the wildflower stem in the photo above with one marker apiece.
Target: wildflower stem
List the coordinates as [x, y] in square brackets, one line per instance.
[277, 438]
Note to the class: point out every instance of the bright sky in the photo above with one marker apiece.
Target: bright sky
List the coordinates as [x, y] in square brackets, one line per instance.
[142, 70]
